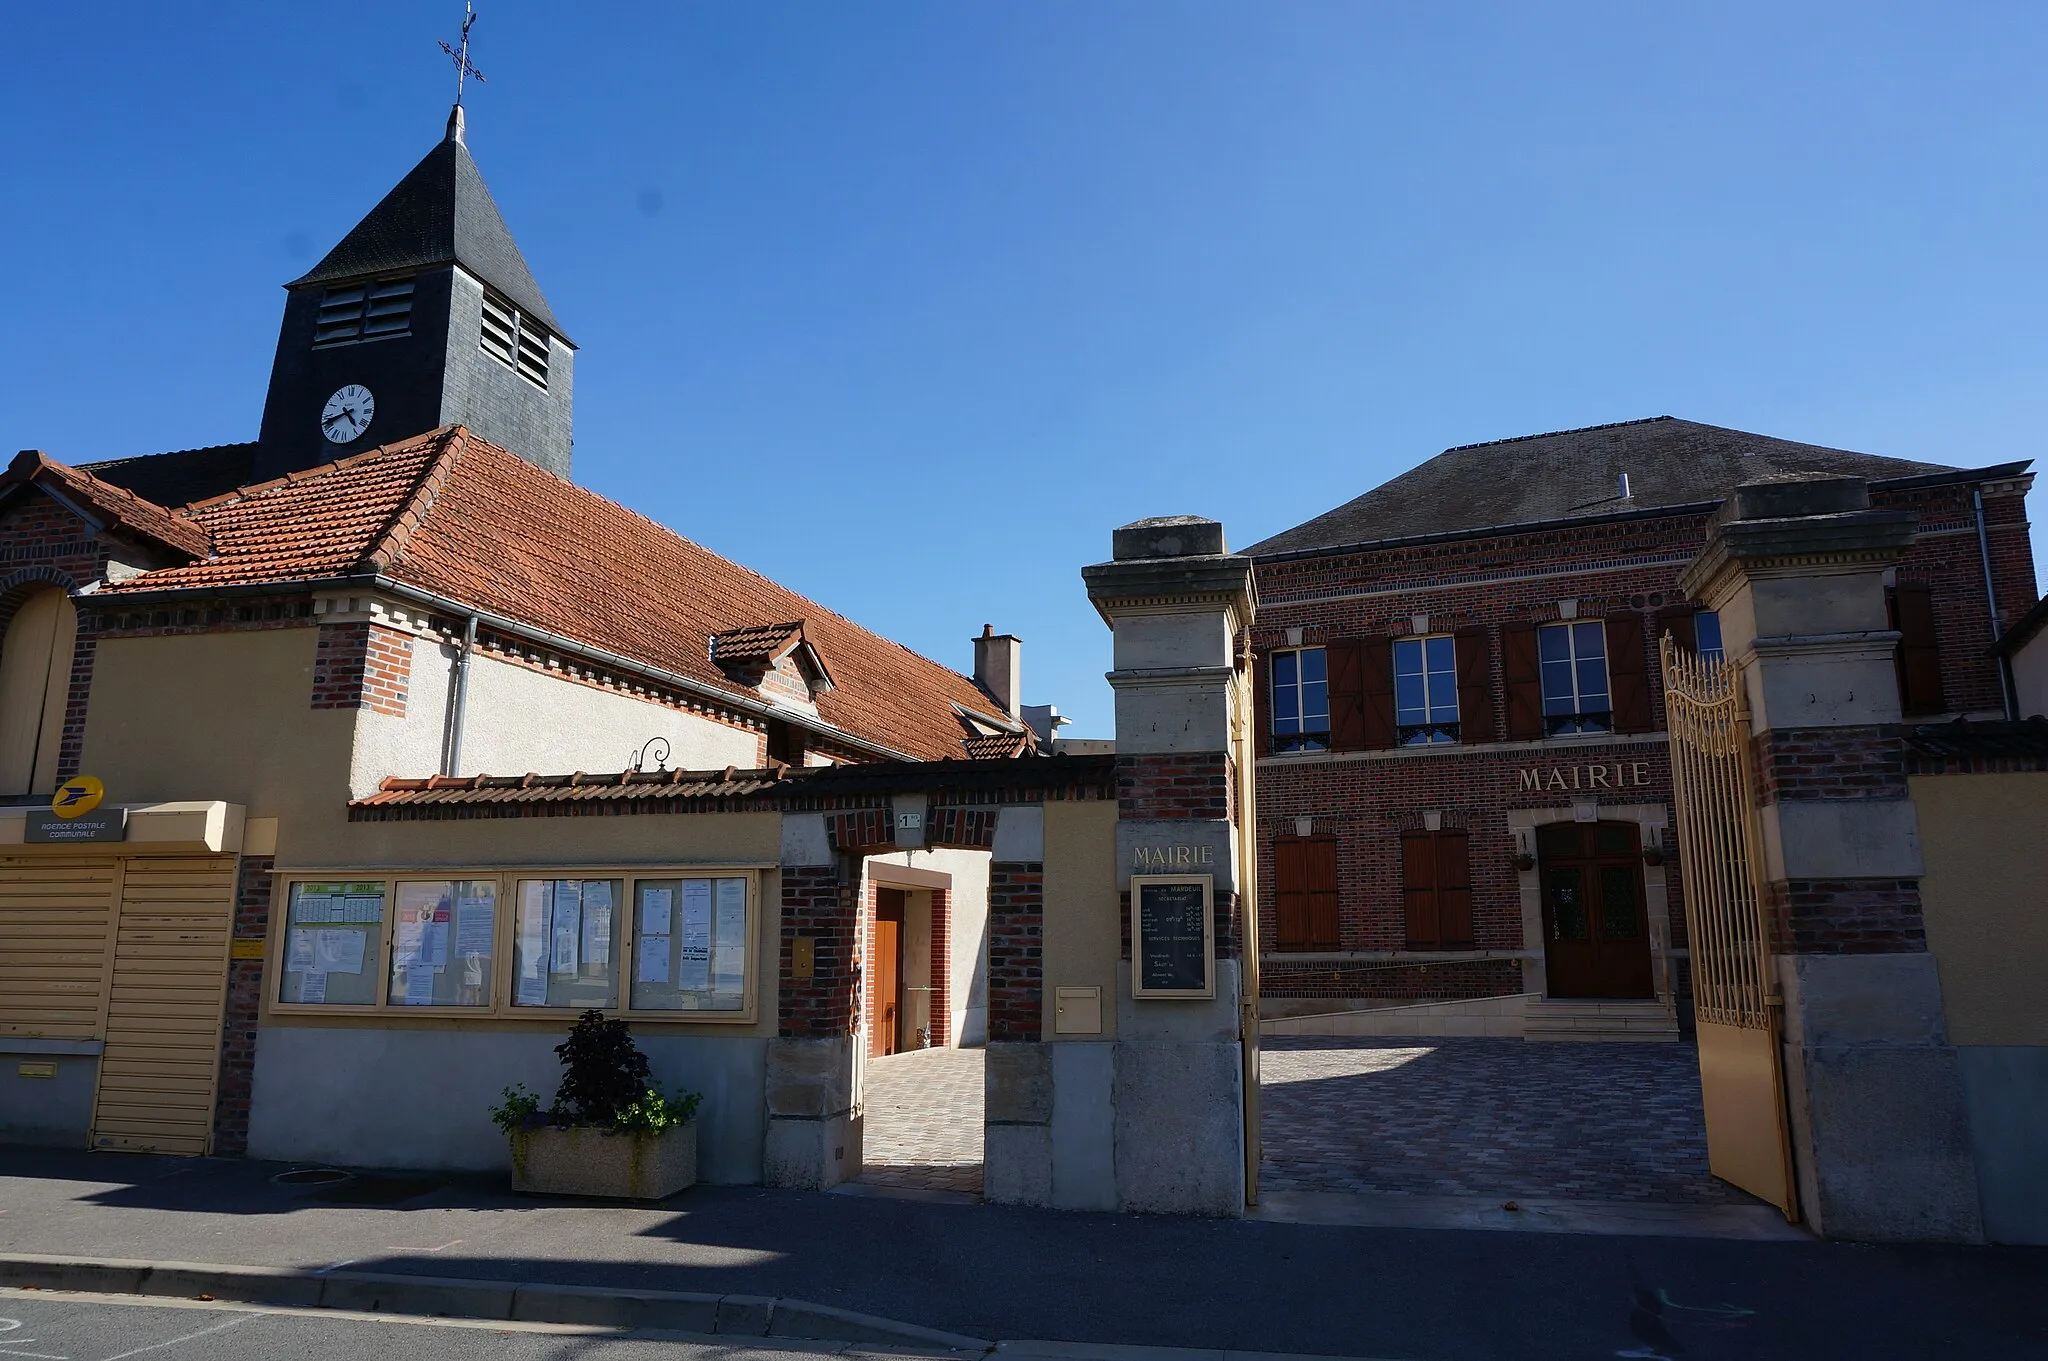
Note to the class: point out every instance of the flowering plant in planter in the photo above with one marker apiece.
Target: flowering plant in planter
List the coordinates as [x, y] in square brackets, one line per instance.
[609, 1131]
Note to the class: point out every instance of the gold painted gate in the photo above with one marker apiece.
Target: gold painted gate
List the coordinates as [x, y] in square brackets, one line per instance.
[1735, 994]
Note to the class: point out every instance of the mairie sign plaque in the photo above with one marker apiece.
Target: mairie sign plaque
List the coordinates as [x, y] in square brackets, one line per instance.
[1173, 940]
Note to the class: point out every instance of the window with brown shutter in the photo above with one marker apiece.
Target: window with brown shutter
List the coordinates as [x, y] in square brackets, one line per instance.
[1305, 892]
[1262, 704]
[1628, 677]
[1475, 687]
[1347, 694]
[1436, 890]
[1919, 653]
[1376, 674]
[1522, 678]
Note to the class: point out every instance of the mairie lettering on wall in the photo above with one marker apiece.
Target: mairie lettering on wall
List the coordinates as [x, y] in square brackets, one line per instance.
[1620, 775]
[1172, 857]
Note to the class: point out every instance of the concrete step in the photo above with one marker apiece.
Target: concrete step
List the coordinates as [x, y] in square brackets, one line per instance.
[1499, 1017]
[1596, 1020]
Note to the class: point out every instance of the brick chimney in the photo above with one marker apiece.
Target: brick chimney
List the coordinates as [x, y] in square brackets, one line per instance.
[998, 665]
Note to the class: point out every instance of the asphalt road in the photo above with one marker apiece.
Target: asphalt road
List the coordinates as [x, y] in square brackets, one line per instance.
[46, 1327]
[1006, 1272]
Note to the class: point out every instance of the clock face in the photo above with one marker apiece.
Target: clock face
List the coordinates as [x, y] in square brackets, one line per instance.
[347, 413]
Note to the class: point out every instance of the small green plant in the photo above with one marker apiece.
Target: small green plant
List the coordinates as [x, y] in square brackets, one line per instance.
[520, 1110]
[607, 1085]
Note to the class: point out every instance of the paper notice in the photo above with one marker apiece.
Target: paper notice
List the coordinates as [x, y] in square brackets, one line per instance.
[597, 922]
[311, 906]
[406, 945]
[419, 985]
[729, 964]
[567, 924]
[651, 959]
[313, 987]
[298, 956]
[655, 906]
[473, 922]
[434, 946]
[693, 973]
[532, 990]
[338, 951]
[533, 932]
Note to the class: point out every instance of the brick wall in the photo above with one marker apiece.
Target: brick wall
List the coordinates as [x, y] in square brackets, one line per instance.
[942, 968]
[1174, 785]
[244, 1001]
[362, 666]
[1829, 763]
[817, 905]
[43, 545]
[1845, 916]
[1016, 951]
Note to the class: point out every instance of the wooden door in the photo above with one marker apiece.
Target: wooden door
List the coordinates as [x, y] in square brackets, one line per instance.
[162, 1060]
[888, 994]
[1596, 936]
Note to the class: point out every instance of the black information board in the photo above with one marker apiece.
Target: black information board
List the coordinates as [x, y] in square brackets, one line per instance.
[1172, 942]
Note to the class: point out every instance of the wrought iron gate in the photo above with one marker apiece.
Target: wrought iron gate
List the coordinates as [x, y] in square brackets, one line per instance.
[1735, 993]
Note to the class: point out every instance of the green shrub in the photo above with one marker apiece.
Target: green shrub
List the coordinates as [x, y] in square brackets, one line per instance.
[606, 1086]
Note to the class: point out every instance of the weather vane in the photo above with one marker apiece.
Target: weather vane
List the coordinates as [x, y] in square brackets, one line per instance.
[460, 55]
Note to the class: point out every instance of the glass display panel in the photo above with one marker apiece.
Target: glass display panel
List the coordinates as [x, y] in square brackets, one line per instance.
[442, 943]
[1568, 919]
[690, 944]
[334, 935]
[565, 943]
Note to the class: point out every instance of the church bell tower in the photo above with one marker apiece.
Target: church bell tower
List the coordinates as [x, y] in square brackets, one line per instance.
[424, 315]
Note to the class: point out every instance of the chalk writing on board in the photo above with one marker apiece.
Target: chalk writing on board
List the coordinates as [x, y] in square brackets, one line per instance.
[1172, 938]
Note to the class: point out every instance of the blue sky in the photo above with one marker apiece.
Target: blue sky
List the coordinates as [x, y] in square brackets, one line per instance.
[908, 304]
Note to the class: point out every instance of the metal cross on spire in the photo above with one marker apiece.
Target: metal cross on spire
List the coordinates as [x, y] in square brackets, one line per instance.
[460, 55]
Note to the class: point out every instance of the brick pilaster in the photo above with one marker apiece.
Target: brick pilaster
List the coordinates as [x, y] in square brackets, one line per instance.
[253, 885]
[1016, 951]
[816, 905]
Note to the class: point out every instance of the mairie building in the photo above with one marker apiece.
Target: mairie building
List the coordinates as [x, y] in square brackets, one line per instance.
[1464, 781]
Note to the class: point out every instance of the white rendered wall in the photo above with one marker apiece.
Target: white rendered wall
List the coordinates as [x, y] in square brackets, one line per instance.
[519, 719]
[967, 980]
[2030, 675]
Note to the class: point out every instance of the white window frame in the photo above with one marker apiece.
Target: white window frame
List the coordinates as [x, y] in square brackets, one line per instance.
[1304, 738]
[1435, 727]
[1577, 722]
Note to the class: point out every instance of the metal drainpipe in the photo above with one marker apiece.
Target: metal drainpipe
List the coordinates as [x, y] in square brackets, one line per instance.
[1991, 600]
[459, 705]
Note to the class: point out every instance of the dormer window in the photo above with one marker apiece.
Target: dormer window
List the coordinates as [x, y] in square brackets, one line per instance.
[353, 312]
[774, 659]
[514, 339]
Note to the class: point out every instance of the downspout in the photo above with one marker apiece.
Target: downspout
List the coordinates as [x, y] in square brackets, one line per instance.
[458, 703]
[2004, 663]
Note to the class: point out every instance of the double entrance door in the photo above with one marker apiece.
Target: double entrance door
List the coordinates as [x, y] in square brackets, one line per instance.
[1596, 936]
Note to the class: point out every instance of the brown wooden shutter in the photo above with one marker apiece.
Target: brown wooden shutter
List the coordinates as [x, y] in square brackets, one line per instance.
[1523, 680]
[1376, 667]
[1475, 687]
[1262, 704]
[1418, 890]
[1305, 896]
[1453, 890]
[1290, 892]
[1347, 693]
[1676, 620]
[1628, 678]
[1919, 653]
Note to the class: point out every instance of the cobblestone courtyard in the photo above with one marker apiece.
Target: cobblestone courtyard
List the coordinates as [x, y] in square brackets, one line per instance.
[1494, 1117]
[1479, 1117]
[923, 1121]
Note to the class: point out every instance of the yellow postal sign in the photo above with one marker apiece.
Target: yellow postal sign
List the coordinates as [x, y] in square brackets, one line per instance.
[77, 796]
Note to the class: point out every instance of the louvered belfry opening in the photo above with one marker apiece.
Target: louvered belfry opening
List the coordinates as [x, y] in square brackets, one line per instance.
[514, 339]
[364, 311]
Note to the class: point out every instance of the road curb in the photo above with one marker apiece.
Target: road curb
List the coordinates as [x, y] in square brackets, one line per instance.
[455, 1297]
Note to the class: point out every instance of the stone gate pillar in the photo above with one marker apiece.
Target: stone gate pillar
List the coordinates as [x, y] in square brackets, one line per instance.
[1881, 1145]
[1177, 602]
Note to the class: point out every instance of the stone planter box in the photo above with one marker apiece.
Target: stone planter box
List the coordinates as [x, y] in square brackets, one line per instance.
[594, 1162]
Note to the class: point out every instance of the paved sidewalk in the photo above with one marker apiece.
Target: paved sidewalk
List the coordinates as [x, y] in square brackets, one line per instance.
[992, 1271]
[1487, 1117]
[922, 1129]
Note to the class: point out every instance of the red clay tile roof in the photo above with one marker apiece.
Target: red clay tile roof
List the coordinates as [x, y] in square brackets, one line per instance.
[760, 646]
[455, 515]
[112, 506]
[997, 746]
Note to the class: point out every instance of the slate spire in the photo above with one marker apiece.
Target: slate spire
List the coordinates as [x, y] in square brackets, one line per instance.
[440, 213]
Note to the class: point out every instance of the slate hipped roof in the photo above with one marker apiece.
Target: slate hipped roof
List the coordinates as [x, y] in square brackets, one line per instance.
[1573, 474]
[453, 515]
[439, 214]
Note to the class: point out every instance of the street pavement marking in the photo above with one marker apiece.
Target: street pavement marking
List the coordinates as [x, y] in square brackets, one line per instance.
[7, 1347]
[220, 1327]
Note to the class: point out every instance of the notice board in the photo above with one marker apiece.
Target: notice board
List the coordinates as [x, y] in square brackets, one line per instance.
[1173, 936]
